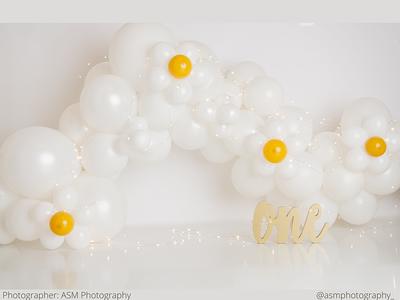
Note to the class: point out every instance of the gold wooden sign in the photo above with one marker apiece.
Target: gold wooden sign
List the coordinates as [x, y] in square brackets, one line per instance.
[284, 221]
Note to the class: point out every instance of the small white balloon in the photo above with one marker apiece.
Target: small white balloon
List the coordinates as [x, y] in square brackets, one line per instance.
[288, 168]
[100, 156]
[137, 123]
[253, 144]
[393, 140]
[179, 92]
[327, 148]
[341, 184]
[359, 210]
[72, 125]
[247, 182]
[50, 157]
[51, 241]
[262, 167]
[244, 72]
[228, 114]
[384, 183]
[99, 69]
[357, 160]
[354, 137]
[19, 221]
[79, 238]
[376, 125]
[205, 112]
[159, 79]
[275, 129]
[203, 75]
[263, 95]
[307, 180]
[188, 134]
[215, 151]
[107, 102]
[161, 53]
[159, 148]
[42, 213]
[379, 164]
[66, 198]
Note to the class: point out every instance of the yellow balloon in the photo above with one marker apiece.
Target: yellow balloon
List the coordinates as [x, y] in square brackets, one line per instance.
[375, 146]
[274, 151]
[61, 223]
[180, 66]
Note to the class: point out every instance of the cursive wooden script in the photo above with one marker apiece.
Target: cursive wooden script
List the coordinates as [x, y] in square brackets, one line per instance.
[285, 221]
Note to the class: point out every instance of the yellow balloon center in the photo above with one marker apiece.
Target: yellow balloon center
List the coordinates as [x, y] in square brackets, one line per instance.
[375, 146]
[61, 223]
[180, 66]
[274, 151]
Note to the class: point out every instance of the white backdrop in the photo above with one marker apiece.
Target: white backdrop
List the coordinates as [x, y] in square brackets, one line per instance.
[321, 67]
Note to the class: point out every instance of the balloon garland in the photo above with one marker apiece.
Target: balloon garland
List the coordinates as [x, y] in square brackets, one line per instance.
[59, 185]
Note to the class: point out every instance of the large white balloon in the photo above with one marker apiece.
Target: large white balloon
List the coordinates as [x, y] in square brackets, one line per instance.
[247, 182]
[131, 47]
[100, 156]
[107, 102]
[34, 160]
[341, 184]
[19, 221]
[358, 210]
[384, 183]
[263, 95]
[72, 124]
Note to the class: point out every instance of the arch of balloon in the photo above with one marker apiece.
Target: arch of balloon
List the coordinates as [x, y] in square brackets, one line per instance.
[58, 185]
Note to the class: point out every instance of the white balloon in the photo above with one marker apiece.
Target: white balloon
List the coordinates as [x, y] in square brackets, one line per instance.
[6, 198]
[161, 53]
[42, 213]
[107, 102]
[357, 160]
[79, 238]
[179, 92]
[288, 168]
[159, 79]
[99, 155]
[359, 210]
[308, 179]
[34, 160]
[106, 203]
[263, 95]
[379, 164]
[376, 125]
[205, 112]
[137, 123]
[188, 134]
[262, 167]
[276, 198]
[354, 137]
[5, 236]
[130, 48]
[51, 241]
[384, 183]
[66, 198]
[393, 140]
[244, 72]
[72, 125]
[159, 148]
[327, 148]
[329, 210]
[253, 144]
[275, 129]
[196, 51]
[360, 110]
[228, 114]
[99, 69]
[19, 222]
[215, 151]
[203, 75]
[341, 184]
[247, 182]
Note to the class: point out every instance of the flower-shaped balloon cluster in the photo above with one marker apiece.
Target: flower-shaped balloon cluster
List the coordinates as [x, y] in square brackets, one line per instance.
[59, 185]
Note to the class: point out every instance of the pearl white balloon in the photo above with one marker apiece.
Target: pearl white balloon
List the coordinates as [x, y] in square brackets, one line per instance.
[262, 167]
[137, 123]
[161, 53]
[357, 160]
[384, 183]
[99, 69]
[106, 203]
[359, 210]
[376, 125]
[275, 129]
[130, 48]
[203, 74]
[205, 112]
[107, 102]
[79, 238]
[159, 148]
[288, 168]
[308, 179]
[34, 160]
[247, 182]
[99, 155]
[341, 184]
[215, 151]
[244, 72]
[326, 147]
[42, 213]
[329, 210]
[253, 144]
[188, 134]
[228, 114]
[159, 79]
[66, 198]
[196, 51]
[51, 241]
[179, 92]
[72, 125]
[19, 222]
[360, 110]
[354, 137]
[379, 164]
[263, 95]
